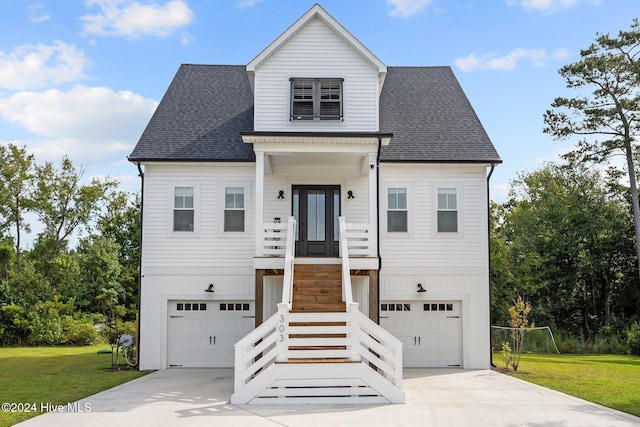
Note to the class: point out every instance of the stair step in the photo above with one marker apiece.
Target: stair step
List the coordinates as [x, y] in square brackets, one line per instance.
[315, 323]
[327, 360]
[316, 307]
[317, 298]
[317, 267]
[317, 347]
[315, 281]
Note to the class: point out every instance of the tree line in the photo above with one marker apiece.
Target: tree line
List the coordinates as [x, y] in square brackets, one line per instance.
[53, 293]
[569, 236]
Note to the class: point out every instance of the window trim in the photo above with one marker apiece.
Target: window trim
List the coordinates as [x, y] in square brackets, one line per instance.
[459, 209]
[407, 209]
[316, 100]
[246, 185]
[171, 191]
[234, 209]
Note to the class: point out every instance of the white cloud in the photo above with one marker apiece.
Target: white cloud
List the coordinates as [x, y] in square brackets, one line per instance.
[406, 8]
[538, 57]
[30, 67]
[38, 13]
[85, 123]
[247, 3]
[132, 19]
[548, 6]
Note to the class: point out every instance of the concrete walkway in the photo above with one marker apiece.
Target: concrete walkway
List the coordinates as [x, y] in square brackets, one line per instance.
[435, 397]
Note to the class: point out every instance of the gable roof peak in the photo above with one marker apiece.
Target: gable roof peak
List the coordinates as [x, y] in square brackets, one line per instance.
[316, 11]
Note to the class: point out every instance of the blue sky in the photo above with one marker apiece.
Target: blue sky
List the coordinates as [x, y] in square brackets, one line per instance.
[83, 78]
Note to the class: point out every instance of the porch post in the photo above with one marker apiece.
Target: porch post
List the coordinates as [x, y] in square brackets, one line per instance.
[259, 202]
[373, 205]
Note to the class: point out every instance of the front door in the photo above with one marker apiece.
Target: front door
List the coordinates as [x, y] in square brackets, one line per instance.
[316, 209]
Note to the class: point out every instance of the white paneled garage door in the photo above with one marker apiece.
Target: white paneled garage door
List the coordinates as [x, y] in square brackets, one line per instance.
[202, 334]
[431, 332]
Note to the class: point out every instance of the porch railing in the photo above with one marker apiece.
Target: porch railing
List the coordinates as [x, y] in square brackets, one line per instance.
[347, 293]
[272, 238]
[289, 257]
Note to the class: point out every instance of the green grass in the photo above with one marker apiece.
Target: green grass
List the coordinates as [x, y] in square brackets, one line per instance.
[57, 375]
[609, 380]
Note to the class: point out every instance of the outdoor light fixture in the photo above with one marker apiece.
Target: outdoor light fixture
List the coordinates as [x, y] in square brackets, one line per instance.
[350, 195]
[281, 194]
[420, 288]
[210, 288]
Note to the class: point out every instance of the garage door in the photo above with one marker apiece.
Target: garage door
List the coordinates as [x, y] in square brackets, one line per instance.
[431, 332]
[202, 334]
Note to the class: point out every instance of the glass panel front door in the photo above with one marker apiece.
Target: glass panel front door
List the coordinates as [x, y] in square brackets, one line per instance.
[316, 209]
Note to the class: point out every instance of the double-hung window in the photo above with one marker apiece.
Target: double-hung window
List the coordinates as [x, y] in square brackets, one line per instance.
[183, 210]
[316, 99]
[234, 211]
[397, 210]
[447, 210]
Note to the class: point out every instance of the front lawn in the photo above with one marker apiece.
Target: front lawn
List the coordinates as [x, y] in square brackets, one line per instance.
[609, 380]
[55, 375]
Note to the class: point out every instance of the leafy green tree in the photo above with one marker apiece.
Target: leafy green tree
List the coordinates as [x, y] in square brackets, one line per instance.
[64, 205]
[17, 176]
[120, 221]
[607, 120]
[100, 271]
[569, 244]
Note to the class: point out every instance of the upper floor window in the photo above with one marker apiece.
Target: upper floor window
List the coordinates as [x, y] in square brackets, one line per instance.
[397, 210]
[316, 99]
[447, 210]
[234, 209]
[183, 210]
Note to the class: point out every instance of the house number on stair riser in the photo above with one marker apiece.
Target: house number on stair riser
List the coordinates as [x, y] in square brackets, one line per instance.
[281, 328]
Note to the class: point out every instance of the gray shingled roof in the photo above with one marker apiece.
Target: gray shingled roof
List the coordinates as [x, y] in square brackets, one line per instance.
[431, 118]
[200, 117]
[207, 106]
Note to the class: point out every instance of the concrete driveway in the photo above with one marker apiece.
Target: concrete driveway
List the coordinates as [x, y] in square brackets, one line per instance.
[435, 397]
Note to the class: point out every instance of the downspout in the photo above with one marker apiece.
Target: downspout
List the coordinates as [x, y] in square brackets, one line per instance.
[378, 224]
[493, 166]
[141, 175]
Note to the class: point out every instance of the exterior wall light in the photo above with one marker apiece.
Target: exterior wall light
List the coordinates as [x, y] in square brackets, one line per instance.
[420, 288]
[210, 288]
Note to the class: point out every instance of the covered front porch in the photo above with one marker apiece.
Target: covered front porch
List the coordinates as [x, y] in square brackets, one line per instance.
[316, 178]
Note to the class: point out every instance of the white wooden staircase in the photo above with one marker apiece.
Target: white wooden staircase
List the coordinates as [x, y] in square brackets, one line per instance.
[318, 347]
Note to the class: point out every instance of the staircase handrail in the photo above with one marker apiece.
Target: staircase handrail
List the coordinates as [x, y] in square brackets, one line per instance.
[347, 293]
[289, 257]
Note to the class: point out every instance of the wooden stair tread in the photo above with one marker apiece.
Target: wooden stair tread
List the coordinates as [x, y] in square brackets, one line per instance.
[317, 347]
[327, 360]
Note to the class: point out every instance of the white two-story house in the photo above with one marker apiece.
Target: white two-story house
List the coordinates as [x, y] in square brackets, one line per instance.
[316, 220]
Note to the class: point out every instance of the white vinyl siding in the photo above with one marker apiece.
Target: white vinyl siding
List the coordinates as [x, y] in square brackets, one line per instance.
[209, 247]
[316, 52]
[423, 245]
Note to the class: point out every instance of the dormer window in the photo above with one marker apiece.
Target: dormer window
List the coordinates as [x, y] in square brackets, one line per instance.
[316, 99]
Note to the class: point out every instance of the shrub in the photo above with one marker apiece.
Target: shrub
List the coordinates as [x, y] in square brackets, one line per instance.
[608, 341]
[506, 354]
[633, 338]
[79, 331]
